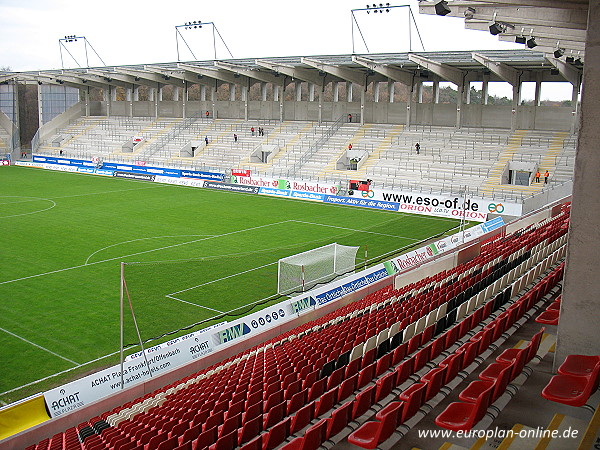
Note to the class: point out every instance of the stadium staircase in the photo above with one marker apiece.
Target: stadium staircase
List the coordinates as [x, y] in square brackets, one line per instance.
[385, 362]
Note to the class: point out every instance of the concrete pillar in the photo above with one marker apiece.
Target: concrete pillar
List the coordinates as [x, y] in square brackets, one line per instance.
[157, 98]
[263, 91]
[311, 92]
[136, 93]
[184, 99]
[515, 105]
[578, 330]
[409, 104]
[281, 99]
[129, 99]
[419, 91]
[575, 107]
[336, 91]
[175, 94]
[107, 96]
[391, 87]
[276, 94]
[202, 93]
[468, 93]
[436, 91]
[321, 90]
[298, 90]
[245, 90]
[485, 89]
[459, 103]
[376, 92]
[160, 92]
[232, 92]
[538, 89]
[150, 94]
[86, 99]
[362, 105]
[349, 91]
[40, 106]
[213, 99]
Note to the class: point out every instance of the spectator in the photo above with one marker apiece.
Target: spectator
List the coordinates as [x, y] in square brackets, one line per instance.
[350, 146]
[537, 176]
[418, 147]
[252, 131]
[349, 117]
[206, 140]
[235, 138]
[207, 114]
[546, 175]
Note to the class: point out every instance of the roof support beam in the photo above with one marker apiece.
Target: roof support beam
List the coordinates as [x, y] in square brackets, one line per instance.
[392, 73]
[254, 74]
[444, 71]
[344, 73]
[505, 72]
[308, 75]
[570, 73]
[146, 75]
[217, 74]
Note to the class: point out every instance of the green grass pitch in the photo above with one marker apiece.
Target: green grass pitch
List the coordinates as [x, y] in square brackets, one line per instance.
[197, 252]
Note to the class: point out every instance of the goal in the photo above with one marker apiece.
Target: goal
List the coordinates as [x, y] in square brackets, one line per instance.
[302, 271]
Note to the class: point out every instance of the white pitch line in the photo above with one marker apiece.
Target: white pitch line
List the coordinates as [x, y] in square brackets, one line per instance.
[193, 304]
[142, 239]
[357, 231]
[32, 212]
[221, 279]
[135, 254]
[39, 346]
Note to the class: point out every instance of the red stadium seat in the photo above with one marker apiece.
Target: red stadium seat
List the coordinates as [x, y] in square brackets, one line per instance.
[463, 416]
[371, 434]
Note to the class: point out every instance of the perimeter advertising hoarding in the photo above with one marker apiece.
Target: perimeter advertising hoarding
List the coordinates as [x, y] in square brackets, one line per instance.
[84, 391]
[475, 209]
[284, 184]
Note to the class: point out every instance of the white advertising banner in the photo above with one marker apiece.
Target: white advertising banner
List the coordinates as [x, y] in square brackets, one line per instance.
[475, 209]
[290, 185]
[84, 391]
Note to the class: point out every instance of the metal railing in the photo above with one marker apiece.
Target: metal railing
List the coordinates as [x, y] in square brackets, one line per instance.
[314, 147]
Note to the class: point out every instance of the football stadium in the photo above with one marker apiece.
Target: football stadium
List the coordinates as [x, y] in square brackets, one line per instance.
[320, 251]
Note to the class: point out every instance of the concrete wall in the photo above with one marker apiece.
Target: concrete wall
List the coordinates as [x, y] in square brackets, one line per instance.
[62, 121]
[440, 114]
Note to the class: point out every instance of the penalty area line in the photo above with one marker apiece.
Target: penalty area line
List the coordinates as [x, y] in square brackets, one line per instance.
[39, 346]
[193, 304]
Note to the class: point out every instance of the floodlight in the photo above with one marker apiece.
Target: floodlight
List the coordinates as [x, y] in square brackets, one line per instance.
[559, 52]
[531, 42]
[497, 28]
[570, 59]
[520, 39]
[441, 8]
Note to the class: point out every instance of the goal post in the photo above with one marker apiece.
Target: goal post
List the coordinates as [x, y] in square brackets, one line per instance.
[302, 271]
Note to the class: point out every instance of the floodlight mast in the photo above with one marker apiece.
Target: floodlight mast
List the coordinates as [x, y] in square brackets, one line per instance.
[74, 38]
[195, 24]
[381, 8]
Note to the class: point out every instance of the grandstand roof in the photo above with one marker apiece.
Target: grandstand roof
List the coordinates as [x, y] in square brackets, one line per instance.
[454, 66]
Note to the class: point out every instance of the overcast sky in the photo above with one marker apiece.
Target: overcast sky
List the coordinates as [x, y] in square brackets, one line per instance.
[143, 32]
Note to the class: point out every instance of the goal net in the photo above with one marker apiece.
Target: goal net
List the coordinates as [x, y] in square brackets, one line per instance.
[302, 271]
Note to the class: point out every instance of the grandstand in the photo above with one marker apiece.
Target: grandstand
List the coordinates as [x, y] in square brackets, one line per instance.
[489, 333]
[451, 160]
